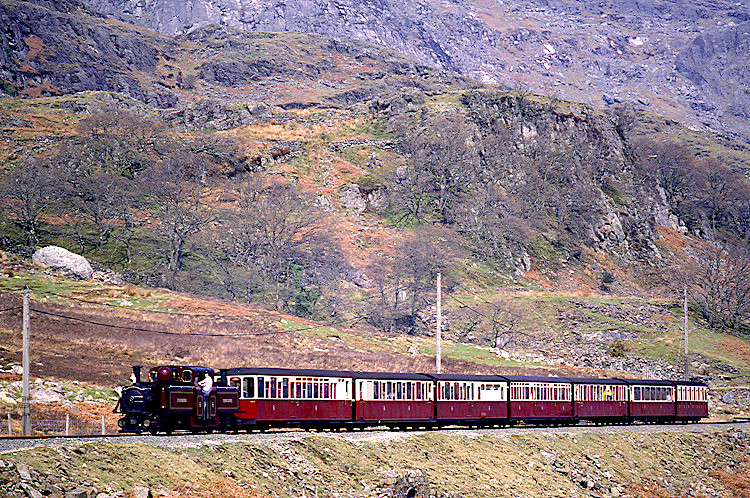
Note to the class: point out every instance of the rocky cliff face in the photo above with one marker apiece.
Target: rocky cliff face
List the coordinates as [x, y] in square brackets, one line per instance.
[604, 53]
[718, 64]
[608, 207]
[56, 47]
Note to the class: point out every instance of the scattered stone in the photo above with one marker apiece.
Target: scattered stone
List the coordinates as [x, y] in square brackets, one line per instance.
[413, 351]
[46, 396]
[352, 199]
[77, 493]
[23, 471]
[7, 399]
[29, 490]
[142, 492]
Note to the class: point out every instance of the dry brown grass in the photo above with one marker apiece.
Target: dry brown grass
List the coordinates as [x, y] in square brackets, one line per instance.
[210, 488]
[737, 482]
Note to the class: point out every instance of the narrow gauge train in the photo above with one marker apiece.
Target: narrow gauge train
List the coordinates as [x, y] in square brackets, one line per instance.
[262, 398]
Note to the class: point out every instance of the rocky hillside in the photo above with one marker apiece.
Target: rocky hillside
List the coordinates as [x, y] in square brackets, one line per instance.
[604, 54]
[168, 157]
[717, 63]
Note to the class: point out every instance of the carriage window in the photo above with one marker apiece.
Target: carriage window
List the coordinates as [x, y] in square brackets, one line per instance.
[234, 382]
[316, 387]
[333, 391]
[419, 390]
[271, 388]
[260, 387]
[389, 387]
[398, 390]
[247, 387]
[326, 390]
[409, 390]
[285, 388]
[187, 376]
[298, 387]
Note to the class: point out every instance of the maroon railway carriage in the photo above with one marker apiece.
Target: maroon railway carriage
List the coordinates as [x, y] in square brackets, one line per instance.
[600, 400]
[292, 397]
[393, 398]
[651, 400]
[540, 399]
[471, 399]
[691, 400]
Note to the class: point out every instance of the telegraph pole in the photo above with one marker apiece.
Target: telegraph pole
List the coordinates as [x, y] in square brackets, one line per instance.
[684, 312]
[26, 363]
[438, 332]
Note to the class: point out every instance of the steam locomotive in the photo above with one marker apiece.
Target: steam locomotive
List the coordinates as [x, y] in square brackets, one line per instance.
[263, 398]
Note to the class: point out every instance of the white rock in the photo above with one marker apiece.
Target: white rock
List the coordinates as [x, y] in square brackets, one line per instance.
[46, 396]
[141, 492]
[30, 491]
[16, 369]
[637, 41]
[7, 399]
[23, 471]
[62, 259]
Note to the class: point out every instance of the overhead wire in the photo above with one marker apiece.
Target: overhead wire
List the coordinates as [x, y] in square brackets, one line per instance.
[174, 313]
[167, 332]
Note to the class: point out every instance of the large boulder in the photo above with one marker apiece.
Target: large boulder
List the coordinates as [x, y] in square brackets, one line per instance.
[58, 258]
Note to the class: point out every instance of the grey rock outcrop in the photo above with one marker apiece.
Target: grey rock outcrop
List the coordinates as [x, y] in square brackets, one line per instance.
[87, 54]
[718, 64]
[58, 258]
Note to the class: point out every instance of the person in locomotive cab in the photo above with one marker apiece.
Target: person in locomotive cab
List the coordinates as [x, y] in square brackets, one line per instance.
[206, 383]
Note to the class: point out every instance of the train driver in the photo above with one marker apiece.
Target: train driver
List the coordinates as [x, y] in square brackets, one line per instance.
[206, 383]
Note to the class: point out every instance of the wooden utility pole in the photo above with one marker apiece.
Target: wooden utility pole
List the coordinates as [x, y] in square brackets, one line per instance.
[438, 332]
[684, 312]
[26, 363]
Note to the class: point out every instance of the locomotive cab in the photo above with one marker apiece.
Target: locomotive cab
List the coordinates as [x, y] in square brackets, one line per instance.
[171, 399]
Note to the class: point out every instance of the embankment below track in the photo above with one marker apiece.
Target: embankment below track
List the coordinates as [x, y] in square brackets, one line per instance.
[642, 461]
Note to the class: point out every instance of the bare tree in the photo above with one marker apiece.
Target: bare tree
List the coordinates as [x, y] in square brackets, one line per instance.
[718, 282]
[421, 258]
[387, 304]
[177, 193]
[503, 323]
[465, 321]
[442, 164]
[30, 190]
[278, 237]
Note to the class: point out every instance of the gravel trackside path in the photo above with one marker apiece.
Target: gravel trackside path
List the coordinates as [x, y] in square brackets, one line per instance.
[195, 440]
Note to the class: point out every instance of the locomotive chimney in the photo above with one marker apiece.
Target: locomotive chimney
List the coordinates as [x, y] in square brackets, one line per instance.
[223, 372]
[137, 373]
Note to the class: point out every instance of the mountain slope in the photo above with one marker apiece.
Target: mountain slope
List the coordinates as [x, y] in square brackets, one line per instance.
[603, 54]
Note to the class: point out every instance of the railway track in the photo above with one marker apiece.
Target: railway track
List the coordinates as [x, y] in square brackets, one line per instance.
[8, 444]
